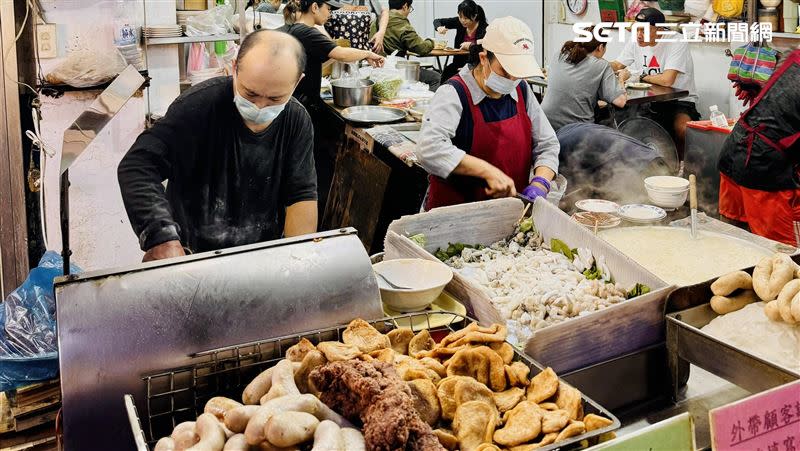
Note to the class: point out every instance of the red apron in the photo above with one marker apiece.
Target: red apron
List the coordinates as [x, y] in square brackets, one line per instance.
[505, 144]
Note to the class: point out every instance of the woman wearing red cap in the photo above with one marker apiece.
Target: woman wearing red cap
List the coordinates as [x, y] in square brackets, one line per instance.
[484, 132]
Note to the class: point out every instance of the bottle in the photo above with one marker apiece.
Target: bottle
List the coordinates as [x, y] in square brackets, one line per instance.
[124, 31]
[718, 118]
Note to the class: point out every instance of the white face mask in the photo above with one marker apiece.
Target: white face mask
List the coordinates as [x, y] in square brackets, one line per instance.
[500, 85]
[252, 113]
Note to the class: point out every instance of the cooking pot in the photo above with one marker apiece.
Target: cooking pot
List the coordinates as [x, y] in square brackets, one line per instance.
[409, 70]
[351, 92]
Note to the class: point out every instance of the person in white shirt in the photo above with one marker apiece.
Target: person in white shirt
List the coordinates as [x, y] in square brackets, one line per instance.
[665, 63]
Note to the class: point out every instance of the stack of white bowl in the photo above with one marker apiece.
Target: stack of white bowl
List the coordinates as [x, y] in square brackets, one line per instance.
[667, 191]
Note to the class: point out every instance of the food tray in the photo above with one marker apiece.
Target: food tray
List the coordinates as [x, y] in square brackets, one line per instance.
[688, 310]
[179, 394]
[582, 341]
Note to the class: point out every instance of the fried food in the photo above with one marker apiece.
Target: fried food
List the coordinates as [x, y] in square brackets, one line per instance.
[569, 398]
[384, 355]
[554, 421]
[523, 424]
[474, 424]
[409, 369]
[446, 392]
[574, 428]
[312, 360]
[441, 353]
[473, 333]
[507, 400]
[468, 389]
[446, 438]
[434, 365]
[366, 338]
[548, 439]
[543, 386]
[548, 406]
[487, 447]
[504, 350]
[517, 374]
[420, 343]
[425, 400]
[297, 352]
[594, 422]
[373, 393]
[399, 339]
[480, 363]
[336, 352]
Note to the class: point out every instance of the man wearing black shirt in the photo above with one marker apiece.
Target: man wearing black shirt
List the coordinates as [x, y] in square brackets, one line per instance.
[238, 154]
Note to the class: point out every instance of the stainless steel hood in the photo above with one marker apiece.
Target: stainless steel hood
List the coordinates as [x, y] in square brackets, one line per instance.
[114, 327]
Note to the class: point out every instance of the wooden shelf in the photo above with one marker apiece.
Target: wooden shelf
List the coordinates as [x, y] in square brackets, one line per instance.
[190, 39]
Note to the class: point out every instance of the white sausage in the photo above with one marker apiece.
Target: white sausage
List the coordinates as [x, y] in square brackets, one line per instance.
[236, 419]
[785, 297]
[353, 440]
[236, 443]
[290, 428]
[165, 444]
[218, 405]
[254, 432]
[185, 435]
[258, 387]
[212, 437]
[328, 437]
[282, 382]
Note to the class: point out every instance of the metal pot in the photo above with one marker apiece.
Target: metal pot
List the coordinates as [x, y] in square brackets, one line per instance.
[409, 69]
[343, 70]
[351, 92]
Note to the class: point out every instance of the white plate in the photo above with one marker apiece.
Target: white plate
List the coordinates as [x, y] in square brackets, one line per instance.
[597, 205]
[603, 220]
[641, 213]
[639, 85]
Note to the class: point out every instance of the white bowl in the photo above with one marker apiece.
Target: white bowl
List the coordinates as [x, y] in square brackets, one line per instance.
[667, 200]
[426, 278]
[666, 183]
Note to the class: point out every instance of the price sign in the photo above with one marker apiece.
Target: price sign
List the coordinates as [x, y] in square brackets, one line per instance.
[768, 421]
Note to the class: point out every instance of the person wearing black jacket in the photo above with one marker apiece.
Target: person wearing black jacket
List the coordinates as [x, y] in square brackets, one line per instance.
[238, 154]
[470, 26]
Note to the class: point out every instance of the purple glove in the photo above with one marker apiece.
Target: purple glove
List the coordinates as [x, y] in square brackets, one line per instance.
[533, 191]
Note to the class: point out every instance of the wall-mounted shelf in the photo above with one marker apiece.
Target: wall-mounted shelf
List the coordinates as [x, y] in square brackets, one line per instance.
[56, 91]
[190, 39]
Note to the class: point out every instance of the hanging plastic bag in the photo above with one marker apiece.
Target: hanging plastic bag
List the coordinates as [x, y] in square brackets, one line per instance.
[696, 8]
[84, 67]
[214, 21]
[387, 83]
[28, 340]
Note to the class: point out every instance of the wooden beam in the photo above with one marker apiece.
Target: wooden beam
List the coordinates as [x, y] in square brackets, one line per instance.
[13, 223]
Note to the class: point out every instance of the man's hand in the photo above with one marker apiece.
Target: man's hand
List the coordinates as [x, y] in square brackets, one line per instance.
[375, 60]
[441, 30]
[500, 185]
[161, 251]
[377, 42]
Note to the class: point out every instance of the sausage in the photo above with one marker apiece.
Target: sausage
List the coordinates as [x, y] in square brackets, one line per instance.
[185, 435]
[165, 444]
[771, 274]
[212, 437]
[282, 381]
[328, 437]
[794, 308]
[236, 443]
[772, 311]
[785, 297]
[260, 386]
[236, 419]
[722, 305]
[729, 283]
[254, 432]
[290, 428]
[218, 405]
[353, 440]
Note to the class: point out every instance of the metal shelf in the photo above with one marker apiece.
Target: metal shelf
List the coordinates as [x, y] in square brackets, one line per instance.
[56, 91]
[190, 39]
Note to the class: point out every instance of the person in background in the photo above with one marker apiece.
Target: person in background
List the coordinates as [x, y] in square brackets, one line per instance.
[484, 130]
[318, 49]
[380, 19]
[470, 25]
[759, 175]
[403, 38]
[238, 155]
[268, 6]
[665, 64]
[593, 155]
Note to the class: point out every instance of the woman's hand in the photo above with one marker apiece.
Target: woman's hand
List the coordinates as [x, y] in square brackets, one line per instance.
[377, 42]
[623, 75]
[441, 30]
[465, 45]
[374, 59]
[499, 184]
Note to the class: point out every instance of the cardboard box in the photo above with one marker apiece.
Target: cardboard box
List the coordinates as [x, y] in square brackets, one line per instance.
[577, 343]
[192, 5]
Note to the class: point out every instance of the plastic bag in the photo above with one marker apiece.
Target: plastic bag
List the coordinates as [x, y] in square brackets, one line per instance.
[214, 21]
[696, 8]
[28, 340]
[84, 67]
[387, 83]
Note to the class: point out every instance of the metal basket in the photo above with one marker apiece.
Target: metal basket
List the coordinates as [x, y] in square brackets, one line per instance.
[179, 394]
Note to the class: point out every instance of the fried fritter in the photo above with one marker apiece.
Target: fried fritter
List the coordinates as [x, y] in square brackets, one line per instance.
[421, 343]
[399, 339]
[425, 400]
[474, 424]
[297, 352]
[543, 386]
[507, 400]
[523, 424]
[335, 351]
[366, 338]
[480, 363]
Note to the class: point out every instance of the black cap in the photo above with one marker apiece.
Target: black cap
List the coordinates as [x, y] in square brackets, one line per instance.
[652, 16]
[305, 4]
[333, 4]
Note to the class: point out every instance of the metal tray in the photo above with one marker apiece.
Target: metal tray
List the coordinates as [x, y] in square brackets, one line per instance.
[369, 114]
[179, 394]
[688, 310]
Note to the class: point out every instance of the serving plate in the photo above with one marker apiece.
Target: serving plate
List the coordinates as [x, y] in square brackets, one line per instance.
[641, 213]
[597, 206]
[639, 85]
[369, 114]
